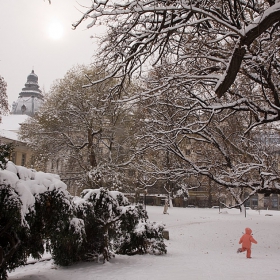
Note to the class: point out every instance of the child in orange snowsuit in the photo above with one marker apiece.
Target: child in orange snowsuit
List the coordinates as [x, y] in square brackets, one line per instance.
[246, 240]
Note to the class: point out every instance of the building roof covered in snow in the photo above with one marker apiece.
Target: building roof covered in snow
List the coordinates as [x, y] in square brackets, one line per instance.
[12, 122]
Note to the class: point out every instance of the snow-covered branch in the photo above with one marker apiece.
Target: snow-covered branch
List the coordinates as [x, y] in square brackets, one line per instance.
[182, 31]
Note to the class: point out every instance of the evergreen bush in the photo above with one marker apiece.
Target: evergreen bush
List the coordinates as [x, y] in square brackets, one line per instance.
[38, 214]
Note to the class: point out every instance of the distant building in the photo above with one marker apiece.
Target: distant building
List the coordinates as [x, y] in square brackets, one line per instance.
[28, 103]
[30, 98]
[9, 127]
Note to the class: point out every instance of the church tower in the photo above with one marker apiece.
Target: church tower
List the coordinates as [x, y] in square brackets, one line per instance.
[30, 99]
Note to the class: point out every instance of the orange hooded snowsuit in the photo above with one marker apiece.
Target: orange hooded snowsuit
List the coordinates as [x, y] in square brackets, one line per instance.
[247, 239]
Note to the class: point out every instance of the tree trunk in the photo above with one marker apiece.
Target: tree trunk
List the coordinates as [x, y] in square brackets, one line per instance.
[92, 157]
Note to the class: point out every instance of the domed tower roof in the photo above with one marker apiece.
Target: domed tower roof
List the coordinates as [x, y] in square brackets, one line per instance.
[32, 77]
[30, 98]
[31, 87]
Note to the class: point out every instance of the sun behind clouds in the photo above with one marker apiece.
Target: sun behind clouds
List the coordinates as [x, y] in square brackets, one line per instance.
[55, 30]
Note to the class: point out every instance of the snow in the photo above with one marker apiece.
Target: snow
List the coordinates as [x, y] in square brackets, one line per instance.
[30, 183]
[50, 181]
[8, 134]
[10, 125]
[8, 177]
[10, 166]
[26, 197]
[12, 122]
[202, 246]
[260, 19]
[78, 225]
[78, 200]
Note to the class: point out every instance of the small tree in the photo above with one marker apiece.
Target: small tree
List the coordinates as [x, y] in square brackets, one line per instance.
[36, 209]
[16, 203]
[55, 223]
[112, 225]
[4, 106]
[137, 235]
[12, 231]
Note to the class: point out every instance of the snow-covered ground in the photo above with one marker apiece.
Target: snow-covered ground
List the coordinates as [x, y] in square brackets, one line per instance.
[202, 245]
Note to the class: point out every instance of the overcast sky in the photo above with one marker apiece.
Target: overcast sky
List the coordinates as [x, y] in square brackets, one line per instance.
[26, 42]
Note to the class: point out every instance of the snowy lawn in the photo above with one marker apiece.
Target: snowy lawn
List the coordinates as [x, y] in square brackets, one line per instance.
[202, 245]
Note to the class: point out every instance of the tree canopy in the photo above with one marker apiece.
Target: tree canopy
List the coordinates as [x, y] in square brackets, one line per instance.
[80, 127]
[190, 145]
[210, 71]
[206, 45]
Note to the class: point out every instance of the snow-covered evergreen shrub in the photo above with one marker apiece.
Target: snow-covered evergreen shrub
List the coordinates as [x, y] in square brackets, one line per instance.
[56, 221]
[127, 242]
[37, 208]
[137, 235]
[15, 237]
[155, 242]
[112, 225]
[100, 210]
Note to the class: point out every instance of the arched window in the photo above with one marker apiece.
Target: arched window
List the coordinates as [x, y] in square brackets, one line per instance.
[23, 108]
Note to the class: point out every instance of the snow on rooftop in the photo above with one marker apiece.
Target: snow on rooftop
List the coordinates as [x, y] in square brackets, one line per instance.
[10, 125]
[8, 134]
[12, 122]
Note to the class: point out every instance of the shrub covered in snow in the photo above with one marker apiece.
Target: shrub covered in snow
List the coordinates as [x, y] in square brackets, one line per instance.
[137, 235]
[36, 209]
[56, 222]
[38, 214]
[13, 229]
[114, 226]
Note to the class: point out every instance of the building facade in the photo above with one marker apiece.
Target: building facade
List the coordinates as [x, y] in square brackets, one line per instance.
[21, 154]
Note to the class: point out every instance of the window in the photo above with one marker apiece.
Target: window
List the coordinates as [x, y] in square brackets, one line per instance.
[274, 201]
[255, 201]
[23, 108]
[23, 159]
